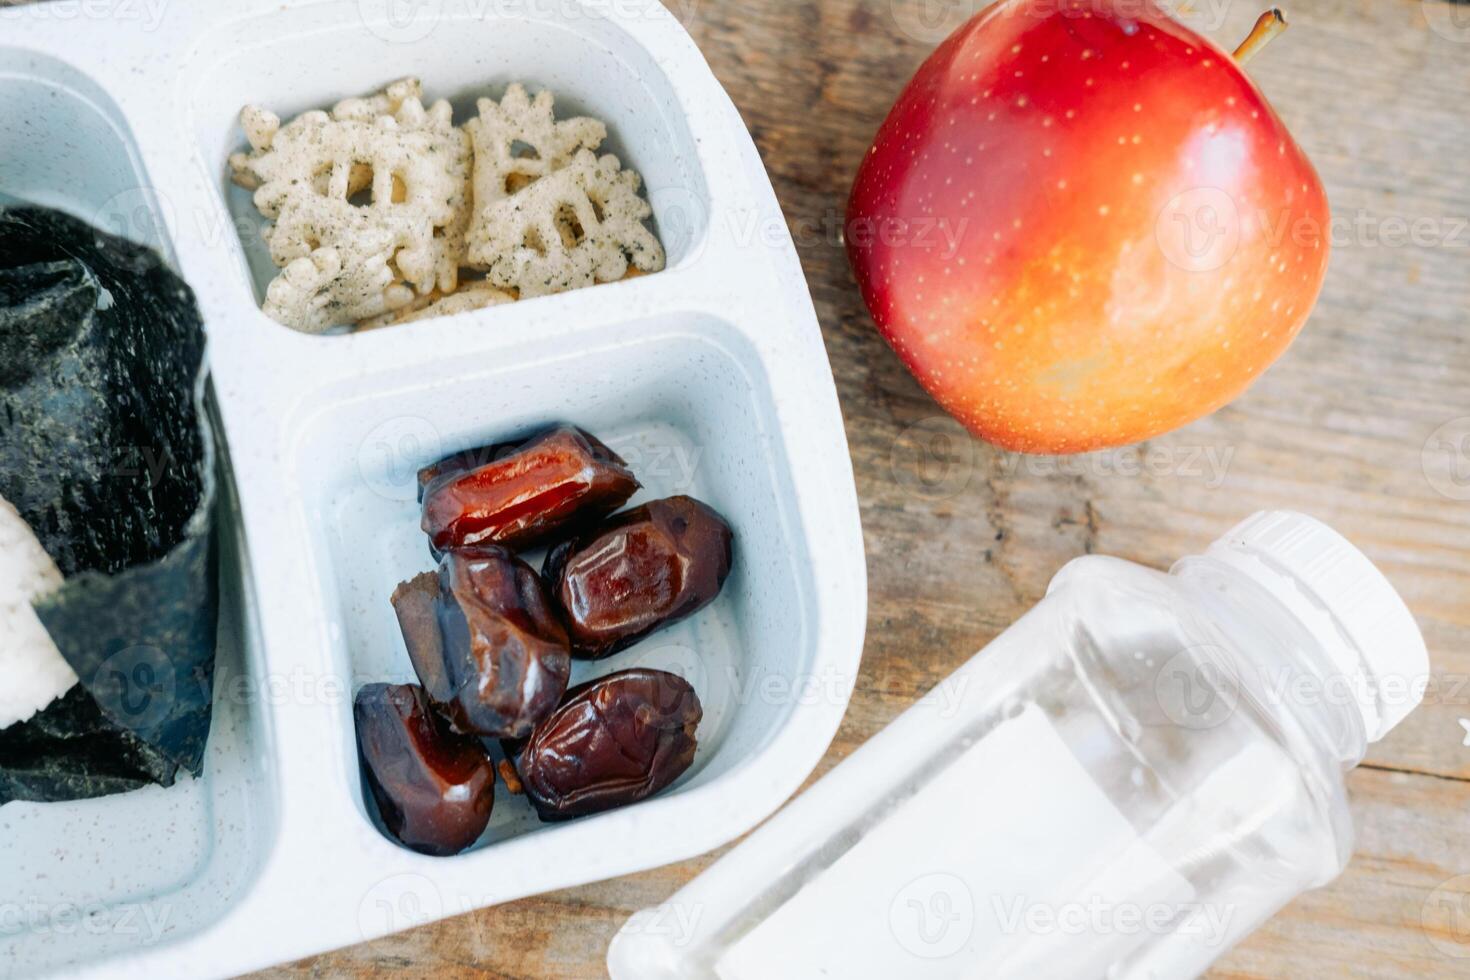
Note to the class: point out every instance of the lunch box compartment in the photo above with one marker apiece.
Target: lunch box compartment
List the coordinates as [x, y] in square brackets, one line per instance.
[326, 52]
[86, 880]
[65, 145]
[687, 406]
[155, 865]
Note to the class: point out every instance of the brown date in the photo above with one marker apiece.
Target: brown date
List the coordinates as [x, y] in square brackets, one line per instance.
[518, 496]
[485, 642]
[434, 788]
[615, 741]
[637, 573]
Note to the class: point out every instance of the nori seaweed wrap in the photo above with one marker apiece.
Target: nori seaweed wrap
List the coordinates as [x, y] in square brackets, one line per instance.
[106, 452]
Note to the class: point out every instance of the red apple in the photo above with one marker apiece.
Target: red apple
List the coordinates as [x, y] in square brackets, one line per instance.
[1082, 226]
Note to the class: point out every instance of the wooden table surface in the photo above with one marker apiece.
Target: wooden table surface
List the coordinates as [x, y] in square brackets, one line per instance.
[961, 538]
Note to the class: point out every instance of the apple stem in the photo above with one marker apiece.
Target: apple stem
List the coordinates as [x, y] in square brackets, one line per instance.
[1268, 25]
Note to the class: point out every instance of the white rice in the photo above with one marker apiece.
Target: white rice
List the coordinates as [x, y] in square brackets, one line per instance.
[32, 671]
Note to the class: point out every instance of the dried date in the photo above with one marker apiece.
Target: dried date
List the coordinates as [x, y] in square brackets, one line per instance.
[434, 787]
[485, 642]
[519, 496]
[639, 572]
[614, 741]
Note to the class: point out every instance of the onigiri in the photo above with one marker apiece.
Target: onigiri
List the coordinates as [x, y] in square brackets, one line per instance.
[35, 672]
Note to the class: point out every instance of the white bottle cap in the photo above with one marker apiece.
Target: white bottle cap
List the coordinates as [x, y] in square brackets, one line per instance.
[1345, 600]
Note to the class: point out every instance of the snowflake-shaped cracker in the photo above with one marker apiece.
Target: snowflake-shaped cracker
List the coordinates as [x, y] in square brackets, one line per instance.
[330, 287]
[576, 226]
[360, 256]
[471, 296]
[518, 140]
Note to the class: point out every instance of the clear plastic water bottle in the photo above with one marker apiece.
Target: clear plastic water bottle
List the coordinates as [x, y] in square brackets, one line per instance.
[1125, 783]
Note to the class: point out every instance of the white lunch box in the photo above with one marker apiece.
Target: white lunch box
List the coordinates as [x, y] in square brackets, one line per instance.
[709, 378]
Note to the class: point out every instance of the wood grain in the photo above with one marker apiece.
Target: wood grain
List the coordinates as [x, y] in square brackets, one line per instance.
[961, 538]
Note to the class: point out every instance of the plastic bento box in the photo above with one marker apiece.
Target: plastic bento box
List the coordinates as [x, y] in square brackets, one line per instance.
[710, 378]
